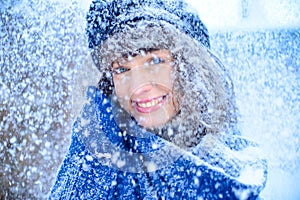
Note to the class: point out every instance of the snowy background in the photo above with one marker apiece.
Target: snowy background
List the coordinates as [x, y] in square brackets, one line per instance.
[45, 67]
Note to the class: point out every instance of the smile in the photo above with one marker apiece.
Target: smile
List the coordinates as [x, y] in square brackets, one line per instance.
[149, 105]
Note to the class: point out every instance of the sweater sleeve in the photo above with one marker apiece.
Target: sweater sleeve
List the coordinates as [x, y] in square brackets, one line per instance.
[67, 178]
[82, 176]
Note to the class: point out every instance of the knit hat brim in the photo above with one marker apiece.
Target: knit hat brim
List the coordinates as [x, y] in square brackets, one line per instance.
[145, 35]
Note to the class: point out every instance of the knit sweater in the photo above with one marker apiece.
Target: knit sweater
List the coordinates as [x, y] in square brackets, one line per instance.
[102, 163]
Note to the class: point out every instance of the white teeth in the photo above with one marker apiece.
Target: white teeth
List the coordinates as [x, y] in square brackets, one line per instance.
[150, 104]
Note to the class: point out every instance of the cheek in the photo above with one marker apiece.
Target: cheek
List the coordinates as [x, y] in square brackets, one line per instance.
[119, 87]
[122, 92]
[167, 77]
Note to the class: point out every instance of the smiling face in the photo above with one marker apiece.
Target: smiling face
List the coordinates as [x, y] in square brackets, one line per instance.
[143, 85]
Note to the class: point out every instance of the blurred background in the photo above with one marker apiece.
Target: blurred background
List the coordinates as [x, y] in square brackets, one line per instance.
[45, 67]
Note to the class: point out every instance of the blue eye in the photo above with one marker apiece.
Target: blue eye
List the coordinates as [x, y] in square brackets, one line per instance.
[120, 70]
[156, 61]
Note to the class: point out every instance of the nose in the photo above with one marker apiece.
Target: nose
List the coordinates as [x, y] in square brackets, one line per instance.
[141, 81]
[142, 89]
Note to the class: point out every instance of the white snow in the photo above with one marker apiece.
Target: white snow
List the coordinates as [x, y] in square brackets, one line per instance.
[43, 45]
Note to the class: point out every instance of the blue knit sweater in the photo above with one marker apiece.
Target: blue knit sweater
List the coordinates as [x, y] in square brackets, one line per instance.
[105, 163]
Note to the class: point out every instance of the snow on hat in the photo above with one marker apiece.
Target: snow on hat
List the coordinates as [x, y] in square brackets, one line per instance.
[106, 17]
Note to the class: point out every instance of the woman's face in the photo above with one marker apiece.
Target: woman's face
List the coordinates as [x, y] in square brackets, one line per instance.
[143, 85]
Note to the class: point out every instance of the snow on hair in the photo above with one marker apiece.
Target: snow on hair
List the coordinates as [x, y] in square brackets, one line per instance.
[207, 100]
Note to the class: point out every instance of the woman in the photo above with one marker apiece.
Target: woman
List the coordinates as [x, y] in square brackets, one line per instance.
[162, 122]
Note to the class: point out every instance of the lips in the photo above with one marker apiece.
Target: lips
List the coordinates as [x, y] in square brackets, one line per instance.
[149, 105]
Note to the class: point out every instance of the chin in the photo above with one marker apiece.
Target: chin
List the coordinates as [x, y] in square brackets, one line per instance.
[149, 123]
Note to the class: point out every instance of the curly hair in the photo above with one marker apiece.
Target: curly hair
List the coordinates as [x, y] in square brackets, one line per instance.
[207, 104]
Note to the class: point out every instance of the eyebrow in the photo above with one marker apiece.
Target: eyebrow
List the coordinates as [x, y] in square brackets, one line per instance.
[135, 53]
[138, 52]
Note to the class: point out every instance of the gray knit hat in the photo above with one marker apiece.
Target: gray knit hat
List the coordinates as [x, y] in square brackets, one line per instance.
[107, 17]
